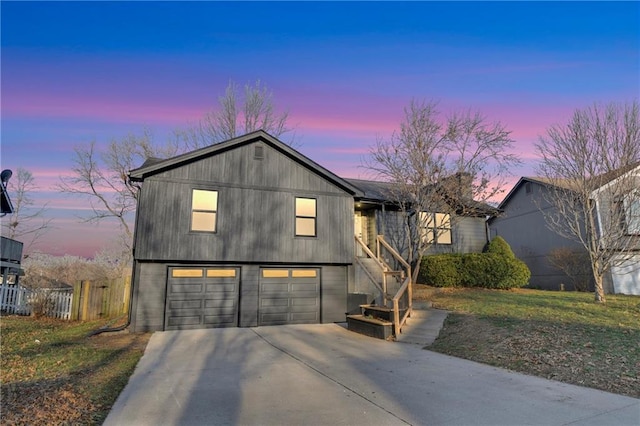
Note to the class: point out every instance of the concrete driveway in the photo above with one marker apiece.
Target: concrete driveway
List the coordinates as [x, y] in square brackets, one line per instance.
[326, 375]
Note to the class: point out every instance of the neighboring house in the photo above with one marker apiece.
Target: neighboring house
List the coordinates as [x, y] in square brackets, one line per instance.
[10, 258]
[624, 276]
[522, 224]
[10, 250]
[250, 232]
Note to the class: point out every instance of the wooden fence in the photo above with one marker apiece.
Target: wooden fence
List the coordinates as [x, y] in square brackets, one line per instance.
[100, 299]
[88, 300]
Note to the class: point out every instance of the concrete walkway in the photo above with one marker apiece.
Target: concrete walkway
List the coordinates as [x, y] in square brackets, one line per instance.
[327, 375]
[423, 326]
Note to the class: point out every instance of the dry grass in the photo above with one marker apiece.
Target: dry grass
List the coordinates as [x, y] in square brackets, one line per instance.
[52, 373]
[563, 336]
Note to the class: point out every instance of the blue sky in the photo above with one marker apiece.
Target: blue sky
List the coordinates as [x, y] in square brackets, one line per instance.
[78, 71]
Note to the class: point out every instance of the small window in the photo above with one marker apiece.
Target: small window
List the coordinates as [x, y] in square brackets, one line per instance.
[435, 228]
[258, 152]
[204, 210]
[631, 204]
[275, 273]
[186, 273]
[221, 273]
[527, 188]
[305, 217]
[304, 273]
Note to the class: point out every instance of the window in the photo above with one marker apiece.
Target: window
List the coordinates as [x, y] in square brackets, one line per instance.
[528, 188]
[186, 273]
[221, 273]
[258, 152]
[275, 273]
[435, 228]
[632, 212]
[204, 210]
[305, 217]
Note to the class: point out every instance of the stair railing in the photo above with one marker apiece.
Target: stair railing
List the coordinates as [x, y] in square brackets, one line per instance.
[381, 265]
[405, 290]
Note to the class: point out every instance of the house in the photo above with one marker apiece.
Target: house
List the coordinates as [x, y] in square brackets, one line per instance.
[617, 202]
[10, 250]
[10, 258]
[522, 224]
[250, 232]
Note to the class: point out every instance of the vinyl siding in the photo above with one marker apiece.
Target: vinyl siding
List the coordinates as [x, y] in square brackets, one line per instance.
[523, 226]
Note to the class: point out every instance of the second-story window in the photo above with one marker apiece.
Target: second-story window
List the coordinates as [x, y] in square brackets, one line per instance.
[306, 215]
[204, 210]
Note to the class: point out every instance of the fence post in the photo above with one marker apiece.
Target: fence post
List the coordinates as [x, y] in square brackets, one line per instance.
[127, 295]
[86, 292]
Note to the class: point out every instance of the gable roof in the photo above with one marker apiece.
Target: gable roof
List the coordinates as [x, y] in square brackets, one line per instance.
[154, 165]
[611, 177]
[602, 181]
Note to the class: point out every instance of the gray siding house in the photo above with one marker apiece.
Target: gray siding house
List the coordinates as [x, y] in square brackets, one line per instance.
[522, 225]
[250, 232]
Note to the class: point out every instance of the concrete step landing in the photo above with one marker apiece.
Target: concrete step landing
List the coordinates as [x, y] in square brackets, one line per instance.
[423, 326]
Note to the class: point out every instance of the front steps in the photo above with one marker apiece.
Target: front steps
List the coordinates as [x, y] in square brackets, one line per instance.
[370, 326]
[374, 321]
[422, 327]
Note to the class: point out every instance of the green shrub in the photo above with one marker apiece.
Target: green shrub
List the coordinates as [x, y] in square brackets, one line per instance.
[499, 245]
[518, 276]
[497, 268]
[441, 270]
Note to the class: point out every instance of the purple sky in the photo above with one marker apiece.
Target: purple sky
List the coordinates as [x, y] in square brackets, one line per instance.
[76, 72]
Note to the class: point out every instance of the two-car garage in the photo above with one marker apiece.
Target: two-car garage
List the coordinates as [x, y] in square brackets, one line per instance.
[208, 297]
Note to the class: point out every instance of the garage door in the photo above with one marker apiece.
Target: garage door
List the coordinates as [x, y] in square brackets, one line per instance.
[289, 296]
[202, 298]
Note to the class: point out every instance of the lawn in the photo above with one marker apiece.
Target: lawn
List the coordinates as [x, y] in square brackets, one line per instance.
[563, 336]
[52, 373]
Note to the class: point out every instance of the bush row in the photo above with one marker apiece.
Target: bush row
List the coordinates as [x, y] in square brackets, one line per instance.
[496, 268]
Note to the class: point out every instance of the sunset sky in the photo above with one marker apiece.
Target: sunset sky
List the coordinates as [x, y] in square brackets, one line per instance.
[78, 72]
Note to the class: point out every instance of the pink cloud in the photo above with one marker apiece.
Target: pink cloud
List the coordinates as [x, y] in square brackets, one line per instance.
[116, 110]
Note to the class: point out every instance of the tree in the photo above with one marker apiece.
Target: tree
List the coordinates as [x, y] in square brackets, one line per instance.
[237, 114]
[575, 264]
[101, 175]
[447, 165]
[587, 163]
[27, 222]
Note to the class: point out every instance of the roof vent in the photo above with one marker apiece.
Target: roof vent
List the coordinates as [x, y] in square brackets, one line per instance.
[258, 152]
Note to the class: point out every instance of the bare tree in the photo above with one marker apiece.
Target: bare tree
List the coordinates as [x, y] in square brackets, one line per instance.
[575, 264]
[445, 165]
[237, 114]
[101, 174]
[27, 222]
[592, 164]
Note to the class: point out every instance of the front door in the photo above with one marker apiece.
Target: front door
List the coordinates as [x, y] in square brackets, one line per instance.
[360, 230]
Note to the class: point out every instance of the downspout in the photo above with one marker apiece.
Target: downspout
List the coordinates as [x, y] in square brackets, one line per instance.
[131, 287]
